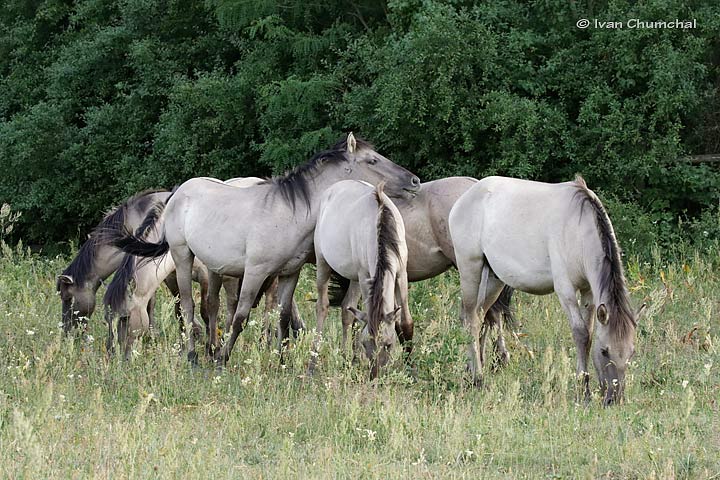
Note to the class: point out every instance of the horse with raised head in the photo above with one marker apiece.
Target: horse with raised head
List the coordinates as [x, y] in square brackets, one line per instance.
[367, 247]
[96, 260]
[539, 238]
[258, 232]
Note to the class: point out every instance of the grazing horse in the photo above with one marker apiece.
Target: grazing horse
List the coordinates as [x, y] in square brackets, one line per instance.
[96, 260]
[135, 309]
[367, 247]
[431, 252]
[539, 238]
[257, 232]
[147, 277]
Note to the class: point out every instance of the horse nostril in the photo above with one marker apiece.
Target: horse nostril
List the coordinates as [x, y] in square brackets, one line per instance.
[415, 181]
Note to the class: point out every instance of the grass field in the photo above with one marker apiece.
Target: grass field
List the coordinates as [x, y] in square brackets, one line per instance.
[68, 412]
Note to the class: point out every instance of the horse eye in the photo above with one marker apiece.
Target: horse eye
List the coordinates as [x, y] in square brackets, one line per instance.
[372, 161]
[605, 352]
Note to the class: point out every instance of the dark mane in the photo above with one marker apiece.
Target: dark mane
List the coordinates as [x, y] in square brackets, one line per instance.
[293, 186]
[114, 221]
[116, 292]
[612, 276]
[388, 245]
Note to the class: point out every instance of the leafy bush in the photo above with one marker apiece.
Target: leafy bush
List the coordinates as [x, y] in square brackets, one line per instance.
[100, 99]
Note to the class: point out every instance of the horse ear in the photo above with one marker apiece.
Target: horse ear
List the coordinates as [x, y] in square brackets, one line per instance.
[351, 143]
[390, 317]
[358, 314]
[602, 314]
[66, 279]
[640, 312]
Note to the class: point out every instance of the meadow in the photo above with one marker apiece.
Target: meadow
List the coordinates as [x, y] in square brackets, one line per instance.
[67, 411]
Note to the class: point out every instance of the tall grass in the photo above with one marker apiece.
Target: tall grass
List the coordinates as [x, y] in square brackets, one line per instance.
[66, 411]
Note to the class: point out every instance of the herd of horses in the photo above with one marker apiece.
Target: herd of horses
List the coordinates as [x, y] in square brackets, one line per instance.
[370, 227]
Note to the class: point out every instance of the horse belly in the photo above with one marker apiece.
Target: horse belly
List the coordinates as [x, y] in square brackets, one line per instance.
[219, 254]
[426, 264]
[342, 263]
[528, 272]
[294, 263]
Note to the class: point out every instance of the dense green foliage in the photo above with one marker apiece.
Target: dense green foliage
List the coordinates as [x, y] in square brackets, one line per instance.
[100, 98]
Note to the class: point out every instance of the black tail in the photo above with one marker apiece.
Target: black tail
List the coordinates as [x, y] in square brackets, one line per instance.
[116, 292]
[388, 246]
[337, 289]
[136, 244]
[502, 307]
[129, 243]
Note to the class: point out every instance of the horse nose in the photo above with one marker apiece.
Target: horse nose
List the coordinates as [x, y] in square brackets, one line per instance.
[415, 181]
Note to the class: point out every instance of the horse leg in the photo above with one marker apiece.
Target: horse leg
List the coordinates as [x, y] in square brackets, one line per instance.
[151, 315]
[489, 321]
[231, 285]
[214, 284]
[110, 343]
[271, 303]
[122, 331]
[568, 299]
[492, 318]
[183, 258]
[407, 325]
[138, 323]
[588, 313]
[203, 279]
[502, 306]
[501, 352]
[351, 299]
[296, 322]
[172, 285]
[471, 273]
[251, 285]
[286, 289]
[321, 308]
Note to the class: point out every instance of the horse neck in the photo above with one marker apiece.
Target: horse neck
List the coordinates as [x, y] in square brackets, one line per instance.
[107, 259]
[319, 182]
[601, 293]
